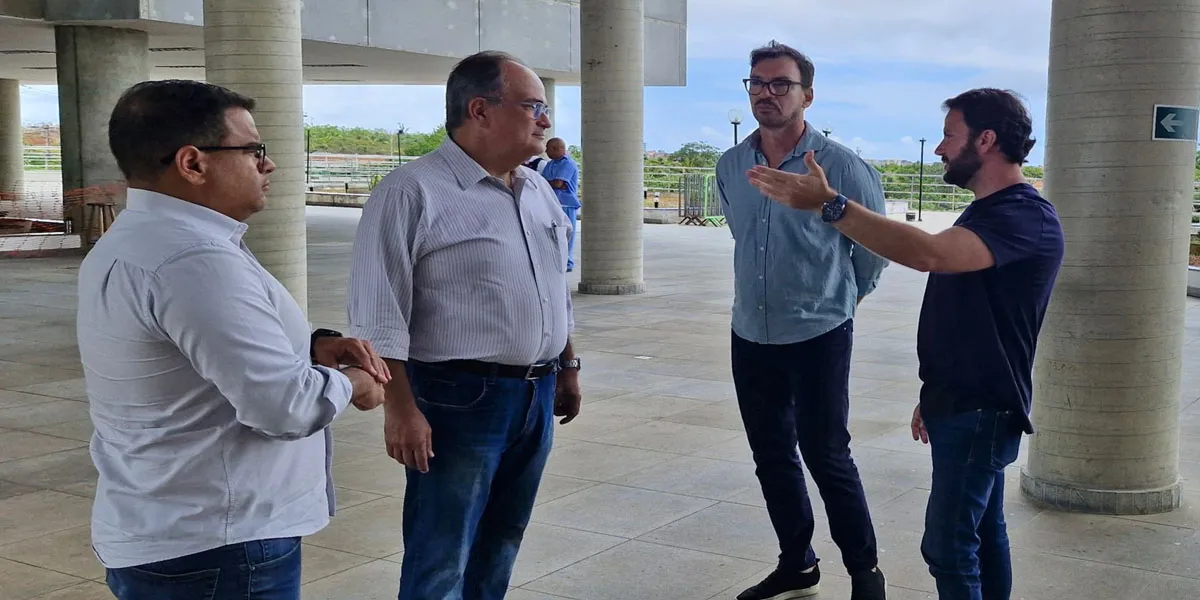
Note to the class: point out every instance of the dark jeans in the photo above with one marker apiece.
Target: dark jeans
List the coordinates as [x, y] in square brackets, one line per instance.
[966, 540]
[798, 395]
[465, 518]
[259, 570]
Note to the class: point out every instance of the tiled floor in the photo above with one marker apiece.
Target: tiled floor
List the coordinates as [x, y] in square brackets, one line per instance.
[650, 494]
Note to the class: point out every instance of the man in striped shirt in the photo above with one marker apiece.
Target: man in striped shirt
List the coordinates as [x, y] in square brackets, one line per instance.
[459, 282]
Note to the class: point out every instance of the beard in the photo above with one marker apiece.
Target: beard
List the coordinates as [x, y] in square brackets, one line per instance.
[769, 115]
[962, 168]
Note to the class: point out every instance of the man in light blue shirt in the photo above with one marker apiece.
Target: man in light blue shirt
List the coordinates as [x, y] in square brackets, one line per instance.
[211, 419]
[563, 175]
[797, 282]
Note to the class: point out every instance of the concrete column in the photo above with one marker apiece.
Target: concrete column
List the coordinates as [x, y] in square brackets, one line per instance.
[549, 85]
[611, 93]
[1107, 379]
[254, 49]
[12, 163]
[95, 66]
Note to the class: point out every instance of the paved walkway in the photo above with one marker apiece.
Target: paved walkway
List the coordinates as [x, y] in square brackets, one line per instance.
[650, 494]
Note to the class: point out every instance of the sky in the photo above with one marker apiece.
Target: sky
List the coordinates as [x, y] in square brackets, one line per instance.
[883, 69]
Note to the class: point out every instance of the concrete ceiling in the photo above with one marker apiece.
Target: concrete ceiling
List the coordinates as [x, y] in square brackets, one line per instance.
[176, 52]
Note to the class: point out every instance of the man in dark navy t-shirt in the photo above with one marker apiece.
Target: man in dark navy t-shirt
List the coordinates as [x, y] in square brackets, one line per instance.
[990, 280]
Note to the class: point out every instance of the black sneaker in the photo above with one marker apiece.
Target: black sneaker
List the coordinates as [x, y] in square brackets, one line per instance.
[868, 585]
[784, 585]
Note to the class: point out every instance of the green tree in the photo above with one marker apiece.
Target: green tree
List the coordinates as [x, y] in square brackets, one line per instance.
[696, 154]
[420, 144]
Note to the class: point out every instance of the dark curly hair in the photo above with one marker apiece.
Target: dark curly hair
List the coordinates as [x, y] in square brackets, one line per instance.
[1000, 111]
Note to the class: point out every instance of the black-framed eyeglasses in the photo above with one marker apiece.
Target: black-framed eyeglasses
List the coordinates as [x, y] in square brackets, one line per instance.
[259, 150]
[777, 87]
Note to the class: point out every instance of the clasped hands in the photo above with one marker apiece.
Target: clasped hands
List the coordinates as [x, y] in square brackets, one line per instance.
[360, 363]
[809, 191]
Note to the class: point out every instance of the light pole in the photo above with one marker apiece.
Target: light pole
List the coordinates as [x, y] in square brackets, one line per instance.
[735, 119]
[921, 181]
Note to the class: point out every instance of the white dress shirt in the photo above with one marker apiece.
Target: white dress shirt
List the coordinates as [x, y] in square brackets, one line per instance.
[451, 264]
[211, 422]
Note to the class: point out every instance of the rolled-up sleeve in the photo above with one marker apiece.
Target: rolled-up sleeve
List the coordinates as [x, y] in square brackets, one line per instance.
[862, 183]
[379, 299]
[213, 303]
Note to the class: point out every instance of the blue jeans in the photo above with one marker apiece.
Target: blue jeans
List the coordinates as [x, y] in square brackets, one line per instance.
[797, 396]
[259, 570]
[465, 518]
[966, 539]
[573, 215]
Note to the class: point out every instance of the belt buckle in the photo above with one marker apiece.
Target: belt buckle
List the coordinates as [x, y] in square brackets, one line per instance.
[529, 372]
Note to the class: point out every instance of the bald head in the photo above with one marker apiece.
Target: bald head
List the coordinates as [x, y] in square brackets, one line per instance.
[556, 148]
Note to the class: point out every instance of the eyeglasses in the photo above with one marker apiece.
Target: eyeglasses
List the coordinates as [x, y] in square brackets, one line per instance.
[539, 109]
[259, 150]
[777, 87]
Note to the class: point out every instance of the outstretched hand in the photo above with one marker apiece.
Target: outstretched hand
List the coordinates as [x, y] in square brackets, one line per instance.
[805, 192]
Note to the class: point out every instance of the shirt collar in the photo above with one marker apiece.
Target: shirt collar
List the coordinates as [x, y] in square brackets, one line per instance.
[198, 217]
[466, 171]
[811, 139]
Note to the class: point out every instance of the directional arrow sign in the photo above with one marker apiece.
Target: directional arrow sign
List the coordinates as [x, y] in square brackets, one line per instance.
[1176, 122]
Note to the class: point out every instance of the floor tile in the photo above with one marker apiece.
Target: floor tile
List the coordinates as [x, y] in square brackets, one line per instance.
[694, 476]
[376, 580]
[40, 513]
[729, 529]
[617, 510]
[373, 529]
[643, 570]
[49, 411]
[376, 474]
[20, 581]
[1115, 541]
[600, 462]
[83, 591]
[547, 548]
[664, 436]
[67, 552]
[15, 445]
[318, 563]
[51, 471]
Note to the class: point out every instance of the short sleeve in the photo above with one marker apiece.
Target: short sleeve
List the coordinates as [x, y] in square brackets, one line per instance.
[1011, 230]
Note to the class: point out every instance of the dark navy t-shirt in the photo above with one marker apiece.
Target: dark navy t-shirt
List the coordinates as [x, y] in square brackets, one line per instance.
[978, 330]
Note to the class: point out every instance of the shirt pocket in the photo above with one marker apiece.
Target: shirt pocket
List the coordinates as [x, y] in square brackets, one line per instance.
[557, 233]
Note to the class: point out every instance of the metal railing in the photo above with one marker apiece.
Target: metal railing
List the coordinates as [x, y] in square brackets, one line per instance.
[359, 172]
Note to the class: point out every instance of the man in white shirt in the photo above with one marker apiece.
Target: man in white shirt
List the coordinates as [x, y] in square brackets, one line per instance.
[211, 418]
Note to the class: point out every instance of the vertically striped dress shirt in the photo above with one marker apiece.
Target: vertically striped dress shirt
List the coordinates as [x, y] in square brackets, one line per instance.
[451, 264]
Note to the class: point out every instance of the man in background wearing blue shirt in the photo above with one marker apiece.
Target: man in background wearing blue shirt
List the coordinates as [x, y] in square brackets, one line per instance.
[797, 283]
[563, 175]
[989, 285]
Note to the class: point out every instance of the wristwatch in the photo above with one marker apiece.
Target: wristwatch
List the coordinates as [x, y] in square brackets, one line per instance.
[319, 333]
[574, 364]
[834, 209]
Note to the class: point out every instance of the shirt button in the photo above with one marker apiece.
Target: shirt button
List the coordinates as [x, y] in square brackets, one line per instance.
[760, 307]
[763, 248]
[764, 220]
[760, 276]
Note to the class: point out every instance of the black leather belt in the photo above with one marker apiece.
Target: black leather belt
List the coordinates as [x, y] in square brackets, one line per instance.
[489, 369]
